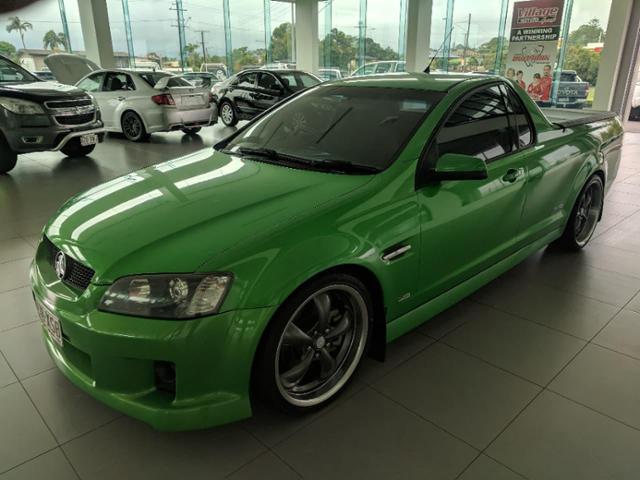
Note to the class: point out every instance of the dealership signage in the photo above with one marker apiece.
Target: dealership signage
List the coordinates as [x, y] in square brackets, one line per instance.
[533, 45]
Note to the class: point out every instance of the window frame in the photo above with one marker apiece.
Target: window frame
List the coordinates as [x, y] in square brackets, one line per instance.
[534, 133]
[424, 169]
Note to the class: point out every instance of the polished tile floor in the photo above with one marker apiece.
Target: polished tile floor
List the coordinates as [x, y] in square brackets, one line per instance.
[536, 376]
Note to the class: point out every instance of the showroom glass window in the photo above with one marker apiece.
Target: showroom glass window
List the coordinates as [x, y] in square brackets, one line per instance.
[360, 125]
[479, 127]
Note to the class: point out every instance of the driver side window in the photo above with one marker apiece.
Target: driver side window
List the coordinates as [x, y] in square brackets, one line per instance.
[478, 127]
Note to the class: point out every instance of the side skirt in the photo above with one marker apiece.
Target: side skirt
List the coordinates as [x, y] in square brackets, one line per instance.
[426, 311]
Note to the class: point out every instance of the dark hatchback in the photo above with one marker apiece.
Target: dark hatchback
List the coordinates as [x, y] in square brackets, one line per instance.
[250, 92]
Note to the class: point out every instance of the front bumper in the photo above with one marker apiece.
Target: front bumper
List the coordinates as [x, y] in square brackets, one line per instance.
[115, 358]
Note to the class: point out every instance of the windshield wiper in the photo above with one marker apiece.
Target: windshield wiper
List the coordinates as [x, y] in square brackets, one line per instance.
[344, 166]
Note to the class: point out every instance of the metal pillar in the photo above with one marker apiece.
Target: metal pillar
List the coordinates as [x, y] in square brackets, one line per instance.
[181, 37]
[502, 27]
[128, 34]
[402, 31]
[65, 26]
[362, 33]
[328, 32]
[227, 36]
[564, 39]
[267, 30]
[448, 28]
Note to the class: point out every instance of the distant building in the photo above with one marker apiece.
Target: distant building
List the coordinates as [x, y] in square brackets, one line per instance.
[595, 46]
[33, 59]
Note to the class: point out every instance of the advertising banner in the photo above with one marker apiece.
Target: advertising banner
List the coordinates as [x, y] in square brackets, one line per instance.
[533, 46]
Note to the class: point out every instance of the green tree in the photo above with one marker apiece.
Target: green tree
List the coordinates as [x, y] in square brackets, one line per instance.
[64, 42]
[587, 33]
[194, 59]
[8, 50]
[488, 52]
[342, 47]
[243, 58]
[584, 62]
[51, 40]
[281, 42]
[16, 24]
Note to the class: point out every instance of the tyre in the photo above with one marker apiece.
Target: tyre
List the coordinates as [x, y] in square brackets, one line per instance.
[314, 344]
[191, 131]
[228, 114]
[133, 127]
[8, 157]
[73, 148]
[585, 215]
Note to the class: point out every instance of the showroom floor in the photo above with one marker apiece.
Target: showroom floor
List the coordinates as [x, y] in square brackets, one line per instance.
[536, 376]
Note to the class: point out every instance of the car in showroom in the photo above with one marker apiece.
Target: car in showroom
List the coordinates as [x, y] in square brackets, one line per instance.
[252, 91]
[38, 116]
[338, 221]
[200, 79]
[138, 103]
[376, 68]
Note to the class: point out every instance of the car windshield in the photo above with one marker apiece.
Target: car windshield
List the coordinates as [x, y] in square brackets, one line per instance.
[12, 73]
[362, 126]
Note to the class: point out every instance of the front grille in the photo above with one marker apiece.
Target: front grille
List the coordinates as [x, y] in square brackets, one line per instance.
[75, 119]
[79, 102]
[77, 275]
[74, 112]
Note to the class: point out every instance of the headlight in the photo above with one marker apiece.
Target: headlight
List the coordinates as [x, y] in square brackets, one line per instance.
[172, 296]
[21, 107]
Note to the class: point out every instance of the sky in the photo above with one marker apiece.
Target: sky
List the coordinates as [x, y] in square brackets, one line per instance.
[153, 22]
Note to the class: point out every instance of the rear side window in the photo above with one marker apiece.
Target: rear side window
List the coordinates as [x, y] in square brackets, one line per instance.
[116, 82]
[478, 127]
[521, 123]
[248, 80]
[297, 81]
[268, 82]
[152, 77]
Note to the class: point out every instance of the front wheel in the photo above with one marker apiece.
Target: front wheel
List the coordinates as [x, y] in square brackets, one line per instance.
[75, 149]
[133, 127]
[8, 158]
[314, 344]
[585, 215]
[228, 114]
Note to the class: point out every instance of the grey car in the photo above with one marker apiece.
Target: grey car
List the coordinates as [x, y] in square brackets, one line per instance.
[38, 116]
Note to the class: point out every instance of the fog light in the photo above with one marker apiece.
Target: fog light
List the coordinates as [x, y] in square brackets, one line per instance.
[165, 376]
[32, 140]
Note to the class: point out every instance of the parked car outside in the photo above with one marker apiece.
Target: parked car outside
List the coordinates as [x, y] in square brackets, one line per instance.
[201, 79]
[336, 222]
[251, 92]
[572, 91]
[328, 74]
[37, 116]
[218, 69]
[138, 103]
[375, 68]
[45, 75]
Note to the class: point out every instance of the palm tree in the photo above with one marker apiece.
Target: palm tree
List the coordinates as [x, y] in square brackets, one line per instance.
[51, 40]
[63, 41]
[16, 24]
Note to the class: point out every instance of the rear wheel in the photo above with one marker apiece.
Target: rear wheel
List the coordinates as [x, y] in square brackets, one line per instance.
[75, 149]
[191, 131]
[8, 157]
[228, 114]
[133, 127]
[585, 215]
[314, 344]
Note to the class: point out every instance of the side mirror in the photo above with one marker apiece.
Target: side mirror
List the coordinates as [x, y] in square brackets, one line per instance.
[454, 166]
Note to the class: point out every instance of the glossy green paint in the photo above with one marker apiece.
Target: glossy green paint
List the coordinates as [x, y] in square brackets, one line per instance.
[274, 228]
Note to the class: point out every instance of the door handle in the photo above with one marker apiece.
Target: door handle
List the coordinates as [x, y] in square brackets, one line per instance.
[121, 99]
[512, 175]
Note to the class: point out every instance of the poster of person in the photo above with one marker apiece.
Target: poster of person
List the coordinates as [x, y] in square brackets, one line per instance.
[533, 46]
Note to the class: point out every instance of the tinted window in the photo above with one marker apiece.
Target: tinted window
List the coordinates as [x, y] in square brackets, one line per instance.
[178, 82]
[247, 80]
[116, 82]
[268, 82]
[362, 125]
[478, 127]
[92, 83]
[519, 118]
[297, 81]
[12, 73]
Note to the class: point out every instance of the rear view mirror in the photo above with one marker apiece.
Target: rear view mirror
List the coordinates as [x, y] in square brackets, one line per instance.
[454, 166]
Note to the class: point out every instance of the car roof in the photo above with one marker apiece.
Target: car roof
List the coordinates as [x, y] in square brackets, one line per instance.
[439, 82]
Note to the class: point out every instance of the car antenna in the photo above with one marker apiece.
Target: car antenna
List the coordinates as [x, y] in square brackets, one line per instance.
[428, 69]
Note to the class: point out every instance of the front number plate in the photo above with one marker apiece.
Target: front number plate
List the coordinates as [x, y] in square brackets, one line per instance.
[50, 322]
[88, 139]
